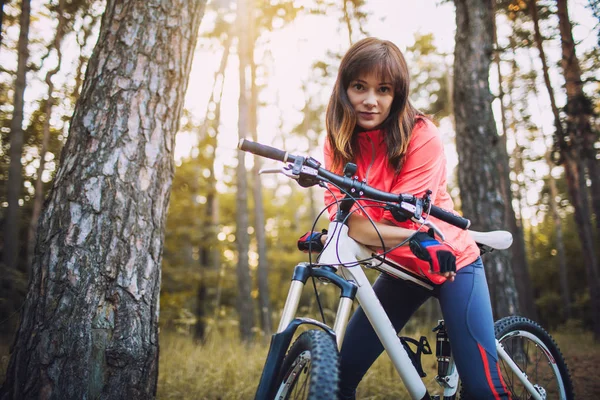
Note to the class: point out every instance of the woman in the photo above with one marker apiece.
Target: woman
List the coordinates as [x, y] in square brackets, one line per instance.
[371, 122]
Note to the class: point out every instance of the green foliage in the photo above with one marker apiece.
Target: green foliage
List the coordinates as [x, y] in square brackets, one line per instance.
[430, 77]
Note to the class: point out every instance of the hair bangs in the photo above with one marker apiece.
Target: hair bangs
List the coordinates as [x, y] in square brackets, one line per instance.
[377, 59]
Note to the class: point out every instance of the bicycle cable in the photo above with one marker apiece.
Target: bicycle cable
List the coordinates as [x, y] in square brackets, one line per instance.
[362, 208]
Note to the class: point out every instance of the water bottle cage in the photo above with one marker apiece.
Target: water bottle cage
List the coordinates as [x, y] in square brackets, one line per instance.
[422, 347]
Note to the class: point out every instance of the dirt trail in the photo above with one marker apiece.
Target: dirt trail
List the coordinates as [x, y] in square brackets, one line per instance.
[583, 359]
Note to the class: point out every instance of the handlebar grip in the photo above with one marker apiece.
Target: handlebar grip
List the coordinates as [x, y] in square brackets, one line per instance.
[263, 150]
[450, 218]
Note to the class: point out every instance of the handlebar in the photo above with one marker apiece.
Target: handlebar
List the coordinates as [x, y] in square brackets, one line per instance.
[348, 183]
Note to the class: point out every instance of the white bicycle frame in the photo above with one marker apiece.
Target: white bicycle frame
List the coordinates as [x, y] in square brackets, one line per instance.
[342, 253]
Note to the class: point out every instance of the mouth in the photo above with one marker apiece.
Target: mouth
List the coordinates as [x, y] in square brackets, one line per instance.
[367, 115]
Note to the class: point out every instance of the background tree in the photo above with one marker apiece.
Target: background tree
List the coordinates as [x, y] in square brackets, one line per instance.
[582, 140]
[49, 103]
[244, 298]
[12, 222]
[483, 164]
[90, 321]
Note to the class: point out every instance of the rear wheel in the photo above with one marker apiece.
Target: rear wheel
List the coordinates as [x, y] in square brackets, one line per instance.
[310, 369]
[537, 355]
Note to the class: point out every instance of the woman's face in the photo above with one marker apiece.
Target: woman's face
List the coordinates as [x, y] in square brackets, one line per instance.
[371, 99]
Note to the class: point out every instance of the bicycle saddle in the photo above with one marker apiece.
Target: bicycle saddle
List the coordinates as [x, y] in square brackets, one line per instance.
[498, 240]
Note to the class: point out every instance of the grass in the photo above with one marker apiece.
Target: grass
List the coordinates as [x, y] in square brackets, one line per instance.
[218, 369]
[223, 369]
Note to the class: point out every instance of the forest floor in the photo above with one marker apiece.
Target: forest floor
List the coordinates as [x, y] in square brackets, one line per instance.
[224, 369]
[583, 359]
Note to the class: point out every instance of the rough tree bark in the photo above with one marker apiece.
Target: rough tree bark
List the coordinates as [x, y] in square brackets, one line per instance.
[483, 163]
[89, 326]
[245, 304]
[10, 252]
[582, 140]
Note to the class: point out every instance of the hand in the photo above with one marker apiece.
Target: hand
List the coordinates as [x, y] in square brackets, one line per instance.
[312, 241]
[439, 255]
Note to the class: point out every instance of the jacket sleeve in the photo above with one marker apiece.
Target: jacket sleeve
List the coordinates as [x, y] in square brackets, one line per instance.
[333, 194]
[424, 167]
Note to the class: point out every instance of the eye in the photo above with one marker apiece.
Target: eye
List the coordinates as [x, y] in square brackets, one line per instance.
[358, 86]
[385, 89]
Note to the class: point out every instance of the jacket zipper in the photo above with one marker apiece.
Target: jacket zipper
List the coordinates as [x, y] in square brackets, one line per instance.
[372, 159]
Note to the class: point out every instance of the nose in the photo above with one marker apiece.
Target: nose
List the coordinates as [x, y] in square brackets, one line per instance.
[370, 99]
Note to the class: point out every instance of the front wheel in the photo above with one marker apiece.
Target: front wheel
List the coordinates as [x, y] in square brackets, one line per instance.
[537, 355]
[310, 369]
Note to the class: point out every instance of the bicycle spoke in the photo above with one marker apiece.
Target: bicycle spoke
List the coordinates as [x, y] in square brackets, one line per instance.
[534, 362]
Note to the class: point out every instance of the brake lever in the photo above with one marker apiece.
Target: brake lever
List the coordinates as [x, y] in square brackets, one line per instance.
[287, 171]
[431, 225]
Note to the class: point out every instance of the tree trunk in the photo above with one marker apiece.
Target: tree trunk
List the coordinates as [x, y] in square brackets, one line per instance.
[88, 29]
[570, 156]
[347, 20]
[595, 7]
[2, 2]
[90, 320]
[560, 245]
[39, 189]
[210, 256]
[245, 303]
[519, 260]
[259, 211]
[579, 108]
[483, 163]
[12, 221]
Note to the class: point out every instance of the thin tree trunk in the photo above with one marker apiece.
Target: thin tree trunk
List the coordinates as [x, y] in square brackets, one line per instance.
[2, 2]
[483, 163]
[348, 20]
[579, 109]
[259, 212]
[570, 157]
[245, 304]
[560, 244]
[539, 44]
[89, 325]
[519, 259]
[558, 223]
[209, 253]
[14, 185]
[595, 7]
[39, 189]
[88, 30]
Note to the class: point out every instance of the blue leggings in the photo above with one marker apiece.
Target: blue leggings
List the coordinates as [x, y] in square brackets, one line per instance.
[468, 318]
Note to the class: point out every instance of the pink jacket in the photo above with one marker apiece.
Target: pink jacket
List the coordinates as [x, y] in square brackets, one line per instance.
[424, 169]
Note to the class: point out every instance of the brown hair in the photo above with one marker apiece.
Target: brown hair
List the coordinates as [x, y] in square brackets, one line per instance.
[386, 60]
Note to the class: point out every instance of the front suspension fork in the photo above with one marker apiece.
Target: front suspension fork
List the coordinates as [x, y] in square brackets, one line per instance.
[327, 274]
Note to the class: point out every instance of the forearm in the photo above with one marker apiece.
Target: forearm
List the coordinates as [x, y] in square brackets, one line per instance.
[363, 231]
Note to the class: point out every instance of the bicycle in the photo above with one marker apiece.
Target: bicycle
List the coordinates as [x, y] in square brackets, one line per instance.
[310, 367]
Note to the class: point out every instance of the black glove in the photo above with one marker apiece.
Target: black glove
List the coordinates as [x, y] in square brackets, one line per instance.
[311, 241]
[427, 248]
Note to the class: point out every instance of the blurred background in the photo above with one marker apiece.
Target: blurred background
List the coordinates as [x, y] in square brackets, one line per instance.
[292, 49]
